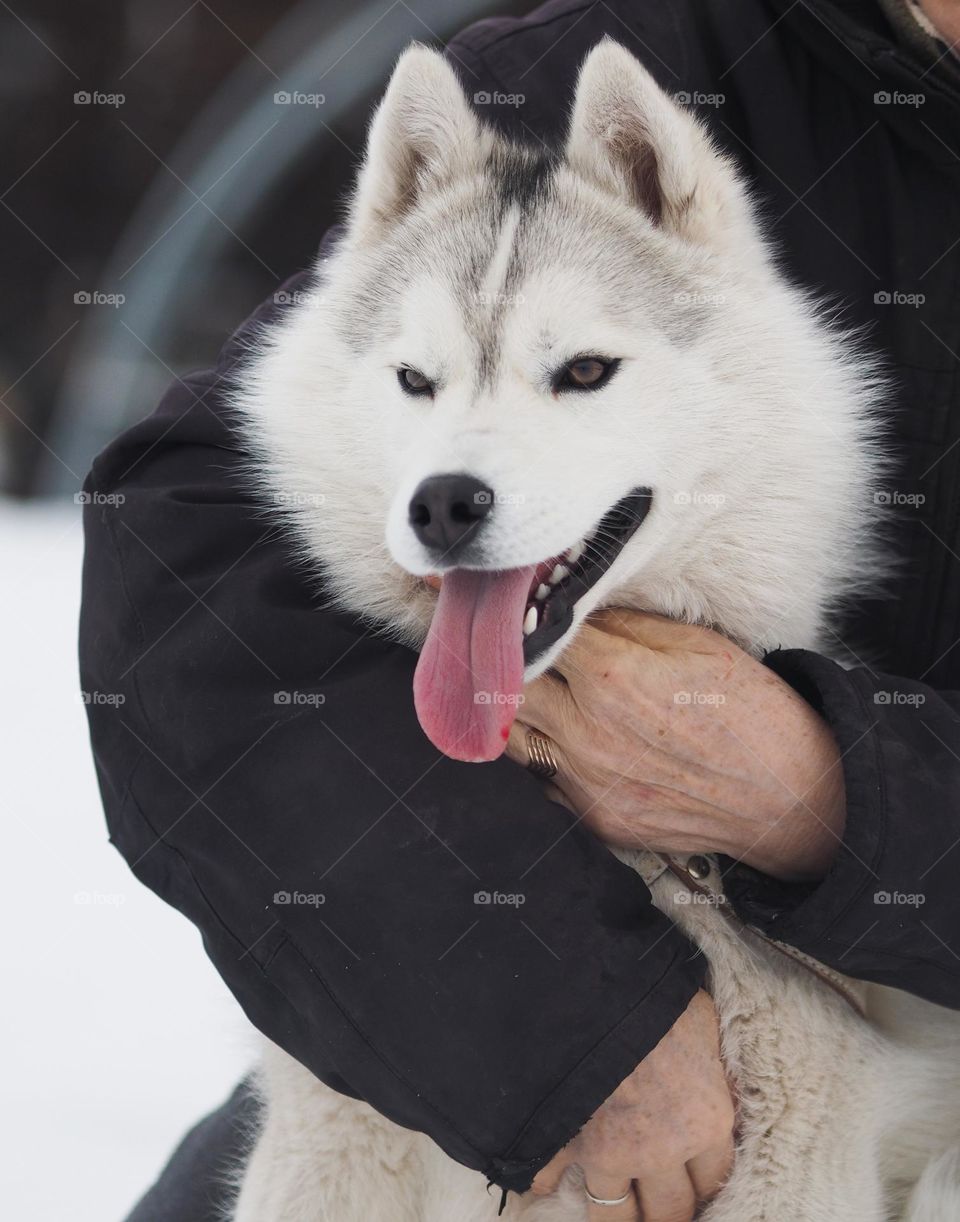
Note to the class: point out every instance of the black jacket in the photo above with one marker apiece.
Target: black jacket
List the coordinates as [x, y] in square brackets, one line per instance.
[266, 749]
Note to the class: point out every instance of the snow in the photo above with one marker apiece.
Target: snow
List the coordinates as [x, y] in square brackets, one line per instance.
[118, 1032]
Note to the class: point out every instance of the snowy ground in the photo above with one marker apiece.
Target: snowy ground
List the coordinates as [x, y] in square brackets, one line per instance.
[117, 1031]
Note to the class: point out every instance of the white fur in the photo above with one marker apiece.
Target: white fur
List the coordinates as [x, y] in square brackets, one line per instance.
[755, 425]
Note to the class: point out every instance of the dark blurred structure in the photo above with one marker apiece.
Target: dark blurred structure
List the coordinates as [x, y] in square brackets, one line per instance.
[167, 163]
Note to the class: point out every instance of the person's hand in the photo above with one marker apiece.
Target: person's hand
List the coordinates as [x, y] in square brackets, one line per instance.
[664, 1138]
[671, 738]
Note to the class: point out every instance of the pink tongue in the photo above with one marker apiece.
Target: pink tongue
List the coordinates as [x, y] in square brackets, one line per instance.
[470, 675]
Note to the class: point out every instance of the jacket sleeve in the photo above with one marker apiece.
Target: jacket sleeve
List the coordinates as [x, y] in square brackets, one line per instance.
[889, 909]
[434, 937]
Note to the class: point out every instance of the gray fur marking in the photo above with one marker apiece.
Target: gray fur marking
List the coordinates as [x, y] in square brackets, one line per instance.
[554, 227]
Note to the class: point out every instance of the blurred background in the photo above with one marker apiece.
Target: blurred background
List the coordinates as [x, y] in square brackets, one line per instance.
[166, 164]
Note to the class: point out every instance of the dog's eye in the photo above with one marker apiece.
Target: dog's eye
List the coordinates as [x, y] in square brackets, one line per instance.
[414, 382]
[585, 373]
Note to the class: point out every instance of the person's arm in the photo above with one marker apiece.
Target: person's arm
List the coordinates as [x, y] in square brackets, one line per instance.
[900, 757]
[437, 938]
[832, 793]
[888, 910]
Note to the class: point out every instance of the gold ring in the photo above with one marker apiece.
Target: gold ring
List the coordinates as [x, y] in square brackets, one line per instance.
[607, 1200]
[542, 762]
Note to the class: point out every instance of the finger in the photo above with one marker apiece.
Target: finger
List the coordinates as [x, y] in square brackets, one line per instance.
[518, 750]
[600, 643]
[587, 655]
[611, 1188]
[547, 1179]
[549, 706]
[631, 625]
[710, 1170]
[594, 656]
[657, 632]
[668, 1197]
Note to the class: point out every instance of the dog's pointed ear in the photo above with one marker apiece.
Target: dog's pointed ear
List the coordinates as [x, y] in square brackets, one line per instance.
[628, 137]
[422, 133]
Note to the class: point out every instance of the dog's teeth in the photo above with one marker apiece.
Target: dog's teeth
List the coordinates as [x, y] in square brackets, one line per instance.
[530, 620]
[558, 574]
[542, 591]
[574, 554]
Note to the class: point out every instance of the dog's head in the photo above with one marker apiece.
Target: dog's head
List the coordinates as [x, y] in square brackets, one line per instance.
[558, 380]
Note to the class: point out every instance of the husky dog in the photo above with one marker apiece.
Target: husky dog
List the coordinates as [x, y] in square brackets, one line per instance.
[563, 382]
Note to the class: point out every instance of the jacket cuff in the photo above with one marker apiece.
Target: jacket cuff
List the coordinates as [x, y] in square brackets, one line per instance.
[802, 913]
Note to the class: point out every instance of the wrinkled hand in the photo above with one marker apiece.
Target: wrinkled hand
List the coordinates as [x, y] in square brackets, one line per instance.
[665, 1136]
[671, 738]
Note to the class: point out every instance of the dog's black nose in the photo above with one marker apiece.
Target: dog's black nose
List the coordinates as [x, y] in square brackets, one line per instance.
[446, 511]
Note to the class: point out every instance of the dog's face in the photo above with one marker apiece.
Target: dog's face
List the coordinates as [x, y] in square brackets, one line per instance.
[530, 384]
[534, 336]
